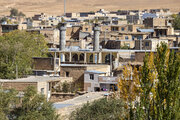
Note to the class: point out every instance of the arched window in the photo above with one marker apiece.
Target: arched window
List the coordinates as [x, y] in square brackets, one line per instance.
[107, 58]
[75, 58]
[91, 58]
[81, 57]
[66, 57]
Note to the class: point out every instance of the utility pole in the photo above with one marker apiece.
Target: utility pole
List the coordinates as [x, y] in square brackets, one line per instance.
[64, 7]
[110, 57]
[55, 72]
[16, 71]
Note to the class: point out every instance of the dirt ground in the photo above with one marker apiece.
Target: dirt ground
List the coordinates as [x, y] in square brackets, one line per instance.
[55, 7]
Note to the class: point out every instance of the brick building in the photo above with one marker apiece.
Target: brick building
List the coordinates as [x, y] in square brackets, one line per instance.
[43, 85]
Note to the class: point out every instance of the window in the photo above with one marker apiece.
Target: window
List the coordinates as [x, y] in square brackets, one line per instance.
[133, 37]
[122, 29]
[86, 29]
[91, 76]
[67, 74]
[42, 90]
[146, 43]
[126, 37]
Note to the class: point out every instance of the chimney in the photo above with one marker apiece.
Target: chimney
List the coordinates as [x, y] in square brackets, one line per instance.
[62, 42]
[96, 37]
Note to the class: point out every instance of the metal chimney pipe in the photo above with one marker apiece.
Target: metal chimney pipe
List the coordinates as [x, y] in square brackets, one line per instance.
[62, 42]
[96, 37]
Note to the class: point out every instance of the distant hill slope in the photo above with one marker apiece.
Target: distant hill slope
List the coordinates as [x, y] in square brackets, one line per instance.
[55, 7]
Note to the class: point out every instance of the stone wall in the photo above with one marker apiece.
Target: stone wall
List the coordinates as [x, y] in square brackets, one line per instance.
[76, 72]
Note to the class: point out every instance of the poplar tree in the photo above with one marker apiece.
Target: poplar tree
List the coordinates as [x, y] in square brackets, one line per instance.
[167, 91]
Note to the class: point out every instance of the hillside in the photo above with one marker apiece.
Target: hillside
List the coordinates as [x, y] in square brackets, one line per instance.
[55, 7]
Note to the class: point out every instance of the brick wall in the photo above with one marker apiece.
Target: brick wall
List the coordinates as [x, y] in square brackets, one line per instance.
[139, 56]
[43, 63]
[19, 86]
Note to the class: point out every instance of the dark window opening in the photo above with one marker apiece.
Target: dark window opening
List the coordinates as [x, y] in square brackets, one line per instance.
[91, 76]
[67, 74]
[147, 44]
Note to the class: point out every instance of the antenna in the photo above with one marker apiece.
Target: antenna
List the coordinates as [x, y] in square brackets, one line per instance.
[64, 7]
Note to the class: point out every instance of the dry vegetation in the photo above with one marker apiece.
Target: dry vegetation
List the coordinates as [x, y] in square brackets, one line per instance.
[55, 7]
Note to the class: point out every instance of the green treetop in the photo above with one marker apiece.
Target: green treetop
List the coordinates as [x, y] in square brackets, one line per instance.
[16, 51]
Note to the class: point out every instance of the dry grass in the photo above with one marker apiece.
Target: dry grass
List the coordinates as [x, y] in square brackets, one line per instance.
[55, 7]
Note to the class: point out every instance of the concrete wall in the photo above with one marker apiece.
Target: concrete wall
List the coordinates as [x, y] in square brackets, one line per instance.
[73, 32]
[51, 36]
[87, 28]
[102, 68]
[89, 83]
[43, 85]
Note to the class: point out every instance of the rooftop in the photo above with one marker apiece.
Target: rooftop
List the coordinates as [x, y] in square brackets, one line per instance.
[94, 71]
[33, 79]
[82, 65]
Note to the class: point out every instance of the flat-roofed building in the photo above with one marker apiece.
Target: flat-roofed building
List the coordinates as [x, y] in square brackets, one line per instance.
[43, 85]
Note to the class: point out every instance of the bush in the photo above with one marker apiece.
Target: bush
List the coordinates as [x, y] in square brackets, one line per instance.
[65, 87]
[103, 109]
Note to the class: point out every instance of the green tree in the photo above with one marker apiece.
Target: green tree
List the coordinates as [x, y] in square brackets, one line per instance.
[16, 51]
[7, 100]
[147, 78]
[160, 85]
[35, 107]
[167, 92]
[103, 109]
[176, 22]
[14, 12]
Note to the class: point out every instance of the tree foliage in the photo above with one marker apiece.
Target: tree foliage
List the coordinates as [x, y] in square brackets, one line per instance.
[128, 84]
[16, 51]
[15, 12]
[176, 22]
[103, 109]
[34, 106]
[159, 86]
[7, 100]
[4, 19]
[167, 90]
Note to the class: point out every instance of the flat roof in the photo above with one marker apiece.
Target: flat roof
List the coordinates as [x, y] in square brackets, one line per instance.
[101, 50]
[94, 71]
[83, 65]
[33, 79]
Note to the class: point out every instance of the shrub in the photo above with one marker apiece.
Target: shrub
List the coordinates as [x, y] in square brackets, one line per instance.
[103, 109]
